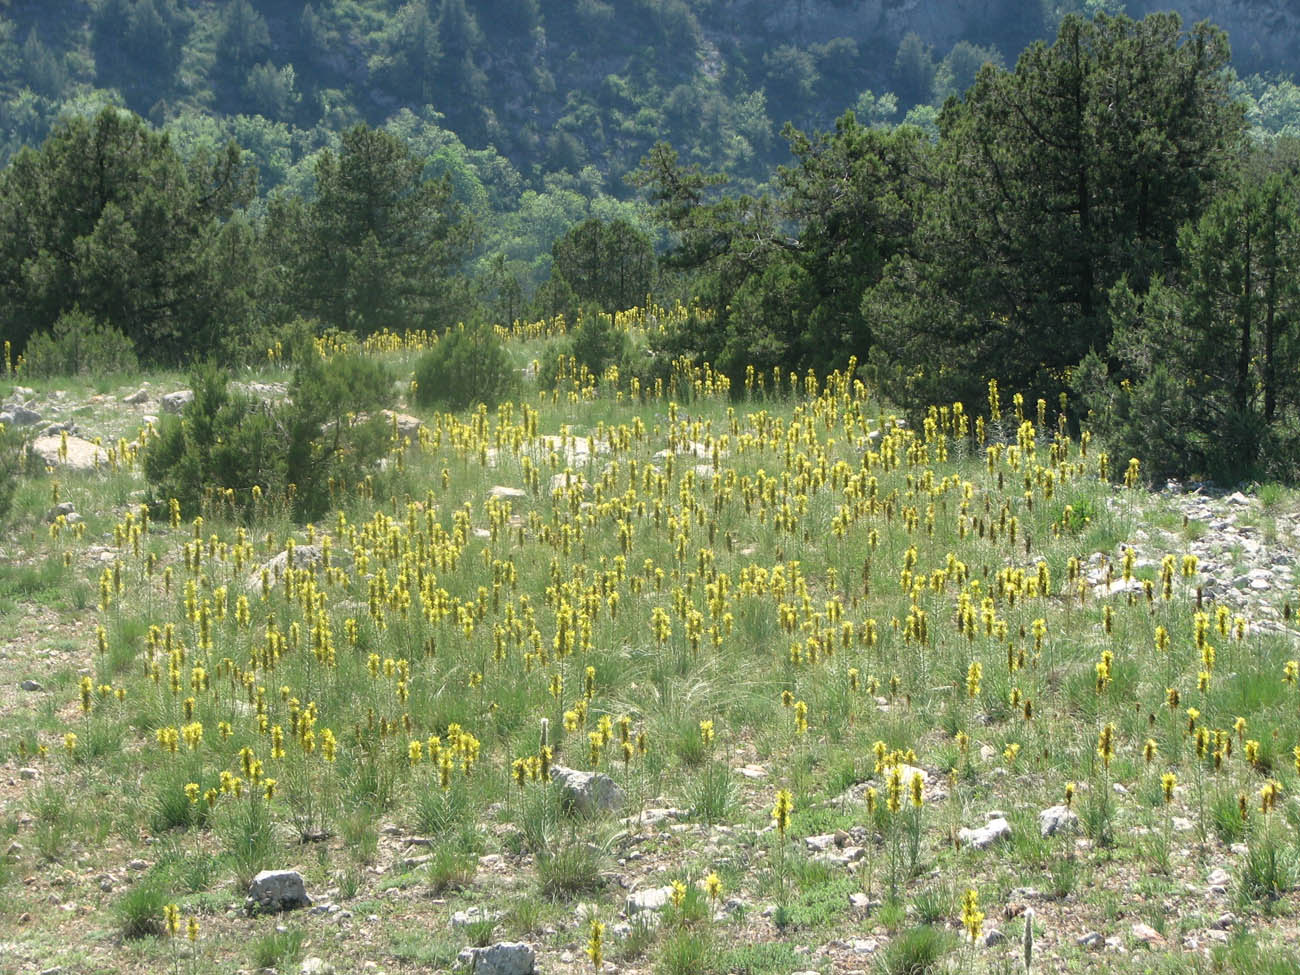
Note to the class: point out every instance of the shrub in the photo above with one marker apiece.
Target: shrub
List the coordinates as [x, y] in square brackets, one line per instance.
[917, 951]
[468, 365]
[78, 345]
[12, 447]
[223, 440]
[301, 450]
[140, 910]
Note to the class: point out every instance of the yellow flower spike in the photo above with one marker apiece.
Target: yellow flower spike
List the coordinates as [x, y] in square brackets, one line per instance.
[192, 929]
[1252, 751]
[595, 947]
[1106, 744]
[713, 887]
[1149, 750]
[1069, 794]
[917, 790]
[782, 809]
[678, 895]
[172, 918]
[1167, 783]
[192, 793]
[706, 733]
[972, 918]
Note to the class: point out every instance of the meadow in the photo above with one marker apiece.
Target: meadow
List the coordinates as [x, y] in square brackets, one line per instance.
[837, 665]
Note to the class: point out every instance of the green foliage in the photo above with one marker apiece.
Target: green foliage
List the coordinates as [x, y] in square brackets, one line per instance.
[77, 345]
[1208, 360]
[917, 951]
[279, 949]
[379, 245]
[140, 910]
[609, 265]
[468, 365]
[12, 457]
[1042, 210]
[223, 440]
[225, 444]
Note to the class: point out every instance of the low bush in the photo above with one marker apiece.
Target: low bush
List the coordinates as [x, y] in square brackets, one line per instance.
[230, 449]
[468, 365]
[78, 345]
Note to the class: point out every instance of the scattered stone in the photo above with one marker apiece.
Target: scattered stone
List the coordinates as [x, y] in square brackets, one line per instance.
[850, 854]
[819, 844]
[31, 685]
[650, 899]
[177, 401]
[1236, 497]
[106, 883]
[986, 835]
[1224, 921]
[304, 557]
[21, 416]
[62, 509]
[278, 890]
[1090, 940]
[316, 966]
[474, 915]
[29, 774]
[136, 398]
[588, 792]
[137, 864]
[566, 483]
[81, 455]
[503, 958]
[501, 492]
[1148, 935]
[408, 427]
[992, 938]
[1057, 819]
[653, 817]
[752, 771]
[1218, 881]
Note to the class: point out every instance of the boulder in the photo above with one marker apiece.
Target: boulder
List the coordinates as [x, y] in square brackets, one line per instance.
[304, 557]
[1057, 819]
[503, 958]
[136, 398]
[408, 427]
[986, 835]
[587, 792]
[278, 890]
[177, 401]
[82, 455]
[649, 899]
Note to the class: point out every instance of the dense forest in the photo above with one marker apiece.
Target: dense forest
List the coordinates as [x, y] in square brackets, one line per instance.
[1042, 199]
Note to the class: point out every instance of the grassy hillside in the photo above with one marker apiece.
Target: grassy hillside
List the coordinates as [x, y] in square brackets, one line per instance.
[812, 648]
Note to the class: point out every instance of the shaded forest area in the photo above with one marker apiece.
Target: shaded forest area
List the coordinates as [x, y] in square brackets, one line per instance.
[279, 168]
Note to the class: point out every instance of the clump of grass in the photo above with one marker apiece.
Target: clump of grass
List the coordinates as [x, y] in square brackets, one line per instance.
[139, 911]
[451, 867]
[917, 951]
[1270, 867]
[570, 868]
[277, 949]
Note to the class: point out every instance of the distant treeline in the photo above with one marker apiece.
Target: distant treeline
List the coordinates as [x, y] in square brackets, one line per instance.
[1100, 221]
